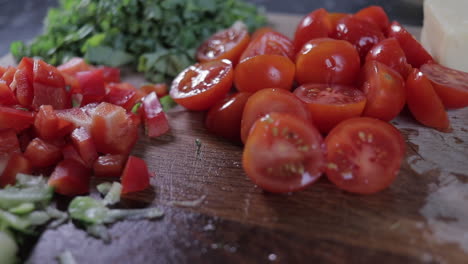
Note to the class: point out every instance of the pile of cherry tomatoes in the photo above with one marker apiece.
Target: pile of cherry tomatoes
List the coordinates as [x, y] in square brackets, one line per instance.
[342, 77]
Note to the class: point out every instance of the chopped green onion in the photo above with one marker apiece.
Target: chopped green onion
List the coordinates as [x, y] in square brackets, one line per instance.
[104, 187]
[23, 208]
[113, 196]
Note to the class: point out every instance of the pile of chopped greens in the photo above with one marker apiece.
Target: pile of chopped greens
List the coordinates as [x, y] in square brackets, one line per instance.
[157, 37]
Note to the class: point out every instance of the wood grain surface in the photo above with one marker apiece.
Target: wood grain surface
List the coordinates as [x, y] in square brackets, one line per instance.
[421, 218]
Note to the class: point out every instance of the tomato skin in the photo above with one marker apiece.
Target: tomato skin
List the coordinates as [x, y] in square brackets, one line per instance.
[70, 178]
[264, 71]
[42, 154]
[332, 61]
[109, 165]
[121, 94]
[154, 117]
[389, 52]
[16, 164]
[135, 176]
[226, 44]
[334, 18]
[74, 66]
[91, 86]
[449, 84]
[202, 85]
[283, 153]
[364, 155]
[415, 53]
[314, 25]
[85, 146]
[384, 89]
[376, 15]
[331, 104]
[15, 119]
[361, 33]
[267, 101]
[7, 97]
[269, 42]
[160, 89]
[224, 118]
[424, 103]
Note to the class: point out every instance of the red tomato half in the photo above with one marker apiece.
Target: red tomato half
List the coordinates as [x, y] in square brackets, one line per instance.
[376, 15]
[16, 164]
[135, 176]
[283, 153]
[384, 89]
[202, 85]
[451, 85]
[264, 71]
[389, 52]
[331, 104]
[267, 101]
[15, 119]
[226, 44]
[424, 103]
[154, 117]
[85, 146]
[70, 178]
[109, 165]
[364, 155]
[327, 61]
[315, 25]
[224, 118]
[42, 154]
[414, 51]
[269, 42]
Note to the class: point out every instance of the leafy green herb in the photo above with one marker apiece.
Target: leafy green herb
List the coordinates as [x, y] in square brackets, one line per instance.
[157, 37]
[167, 102]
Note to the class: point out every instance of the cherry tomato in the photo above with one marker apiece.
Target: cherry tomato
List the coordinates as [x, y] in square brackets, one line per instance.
[74, 65]
[315, 25]
[449, 84]
[424, 103]
[42, 154]
[15, 118]
[202, 85]
[414, 51]
[70, 178]
[84, 144]
[259, 32]
[264, 71]
[154, 117]
[267, 101]
[361, 33]
[226, 44]
[327, 61]
[283, 153]
[109, 165]
[384, 89]
[224, 118]
[135, 176]
[269, 42]
[334, 18]
[389, 52]
[376, 15]
[17, 163]
[160, 89]
[331, 104]
[364, 155]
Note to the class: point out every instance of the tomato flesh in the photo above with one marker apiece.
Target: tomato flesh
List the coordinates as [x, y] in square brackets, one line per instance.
[364, 155]
[135, 176]
[154, 117]
[109, 165]
[315, 25]
[283, 153]
[70, 178]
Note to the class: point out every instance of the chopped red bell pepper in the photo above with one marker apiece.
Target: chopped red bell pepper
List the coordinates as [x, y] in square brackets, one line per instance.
[109, 165]
[9, 75]
[70, 178]
[91, 86]
[15, 118]
[9, 142]
[153, 116]
[42, 153]
[83, 142]
[111, 75]
[7, 97]
[135, 176]
[121, 94]
[16, 164]
[74, 66]
[49, 126]
[70, 152]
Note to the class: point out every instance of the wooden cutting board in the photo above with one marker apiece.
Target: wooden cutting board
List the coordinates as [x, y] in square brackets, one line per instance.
[421, 218]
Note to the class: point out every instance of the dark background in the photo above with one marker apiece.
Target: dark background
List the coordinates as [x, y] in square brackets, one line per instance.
[22, 19]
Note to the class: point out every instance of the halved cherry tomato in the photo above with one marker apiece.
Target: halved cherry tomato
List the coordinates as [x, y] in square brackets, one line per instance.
[267, 101]
[110, 74]
[42, 154]
[269, 42]
[384, 89]
[135, 176]
[7, 97]
[327, 60]
[449, 84]
[112, 130]
[414, 51]
[160, 89]
[284, 153]
[109, 165]
[264, 71]
[74, 66]
[202, 85]
[226, 44]
[91, 86]
[314, 25]
[85, 146]
[424, 103]
[153, 116]
[8, 142]
[331, 104]
[48, 126]
[224, 118]
[15, 118]
[376, 15]
[70, 178]
[364, 155]
[16, 164]
[361, 33]
[389, 52]
[121, 94]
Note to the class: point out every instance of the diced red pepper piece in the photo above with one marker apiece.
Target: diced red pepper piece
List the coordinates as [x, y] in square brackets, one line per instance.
[121, 94]
[110, 74]
[9, 75]
[91, 86]
[70, 152]
[8, 142]
[109, 165]
[153, 116]
[42, 154]
[2, 71]
[74, 66]
[77, 116]
[83, 142]
[47, 74]
[23, 82]
[15, 118]
[159, 88]
[49, 126]
[70, 178]
[135, 176]
[7, 97]
[49, 87]
[16, 164]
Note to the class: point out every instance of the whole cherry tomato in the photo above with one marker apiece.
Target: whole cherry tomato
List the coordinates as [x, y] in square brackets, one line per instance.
[376, 15]
[267, 41]
[389, 52]
[315, 25]
[327, 60]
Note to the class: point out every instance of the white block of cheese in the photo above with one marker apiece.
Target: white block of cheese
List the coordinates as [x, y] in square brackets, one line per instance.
[445, 32]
